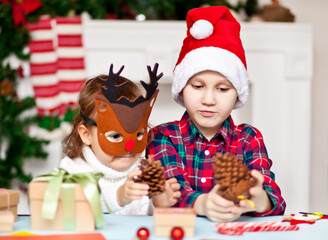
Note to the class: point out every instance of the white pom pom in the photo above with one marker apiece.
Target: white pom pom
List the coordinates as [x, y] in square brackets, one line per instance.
[201, 29]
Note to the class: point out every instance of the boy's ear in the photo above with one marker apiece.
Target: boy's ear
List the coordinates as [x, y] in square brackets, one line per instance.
[84, 134]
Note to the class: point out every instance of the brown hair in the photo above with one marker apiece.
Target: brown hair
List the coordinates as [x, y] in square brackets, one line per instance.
[72, 144]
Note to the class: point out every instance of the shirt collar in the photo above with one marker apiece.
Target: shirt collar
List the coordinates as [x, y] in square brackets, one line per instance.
[189, 131]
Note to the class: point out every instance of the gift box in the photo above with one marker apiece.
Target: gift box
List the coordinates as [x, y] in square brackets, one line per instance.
[9, 202]
[165, 219]
[6, 221]
[60, 201]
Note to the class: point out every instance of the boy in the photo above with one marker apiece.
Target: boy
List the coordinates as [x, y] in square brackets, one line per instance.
[210, 79]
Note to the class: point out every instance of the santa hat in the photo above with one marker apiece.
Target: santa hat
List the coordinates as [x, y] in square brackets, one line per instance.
[212, 43]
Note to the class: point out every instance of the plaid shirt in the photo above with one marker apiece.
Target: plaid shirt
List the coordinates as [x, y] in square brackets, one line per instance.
[187, 155]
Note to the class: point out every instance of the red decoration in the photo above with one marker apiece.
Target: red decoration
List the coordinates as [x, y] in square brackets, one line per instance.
[129, 145]
[177, 233]
[22, 7]
[20, 71]
[238, 228]
[143, 233]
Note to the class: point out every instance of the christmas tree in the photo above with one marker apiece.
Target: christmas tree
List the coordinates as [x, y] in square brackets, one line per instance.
[15, 143]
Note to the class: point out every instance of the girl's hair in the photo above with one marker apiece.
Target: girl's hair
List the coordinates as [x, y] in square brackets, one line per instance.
[72, 144]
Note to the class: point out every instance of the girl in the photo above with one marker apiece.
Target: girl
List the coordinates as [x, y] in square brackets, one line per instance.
[109, 135]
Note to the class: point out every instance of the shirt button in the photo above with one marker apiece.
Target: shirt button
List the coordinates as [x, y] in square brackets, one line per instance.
[207, 152]
[203, 180]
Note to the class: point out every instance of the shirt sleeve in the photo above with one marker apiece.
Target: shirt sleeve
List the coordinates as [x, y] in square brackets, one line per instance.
[256, 157]
[162, 148]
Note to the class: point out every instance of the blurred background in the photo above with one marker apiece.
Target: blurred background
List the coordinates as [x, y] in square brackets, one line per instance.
[48, 48]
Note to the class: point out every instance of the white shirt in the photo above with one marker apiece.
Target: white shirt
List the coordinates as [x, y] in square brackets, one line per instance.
[108, 184]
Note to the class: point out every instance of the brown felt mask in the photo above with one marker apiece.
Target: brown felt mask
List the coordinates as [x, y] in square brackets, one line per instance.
[122, 124]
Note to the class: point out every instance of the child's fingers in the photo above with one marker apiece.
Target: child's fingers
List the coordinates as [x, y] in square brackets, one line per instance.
[133, 174]
[172, 180]
[139, 186]
[175, 186]
[256, 174]
[245, 206]
[177, 194]
[137, 194]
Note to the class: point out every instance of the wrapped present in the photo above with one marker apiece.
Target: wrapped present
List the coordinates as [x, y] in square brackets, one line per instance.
[166, 219]
[6, 221]
[62, 201]
[9, 200]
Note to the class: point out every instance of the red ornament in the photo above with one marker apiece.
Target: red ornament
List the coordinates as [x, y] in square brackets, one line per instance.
[22, 7]
[177, 233]
[143, 233]
[20, 71]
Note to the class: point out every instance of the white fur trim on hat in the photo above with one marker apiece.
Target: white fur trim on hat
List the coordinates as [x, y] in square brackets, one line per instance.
[214, 59]
[201, 29]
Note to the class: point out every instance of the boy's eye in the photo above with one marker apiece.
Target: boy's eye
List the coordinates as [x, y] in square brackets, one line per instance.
[196, 86]
[114, 137]
[141, 134]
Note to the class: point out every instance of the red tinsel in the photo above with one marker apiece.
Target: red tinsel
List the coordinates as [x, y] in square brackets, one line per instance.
[22, 7]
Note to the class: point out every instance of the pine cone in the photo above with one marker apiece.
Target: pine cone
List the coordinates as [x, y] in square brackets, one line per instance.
[153, 175]
[233, 177]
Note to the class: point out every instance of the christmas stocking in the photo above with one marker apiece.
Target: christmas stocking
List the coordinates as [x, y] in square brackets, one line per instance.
[70, 64]
[43, 66]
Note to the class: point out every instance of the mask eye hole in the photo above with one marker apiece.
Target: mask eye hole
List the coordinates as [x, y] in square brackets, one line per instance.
[114, 137]
[140, 134]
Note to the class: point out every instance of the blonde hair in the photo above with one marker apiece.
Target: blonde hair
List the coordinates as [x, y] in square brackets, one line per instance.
[72, 144]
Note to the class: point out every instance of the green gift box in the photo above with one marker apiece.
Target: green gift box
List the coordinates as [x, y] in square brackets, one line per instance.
[62, 201]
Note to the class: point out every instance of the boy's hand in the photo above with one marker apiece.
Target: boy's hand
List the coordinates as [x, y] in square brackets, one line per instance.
[215, 207]
[258, 196]
[130, 190]
[170, 196]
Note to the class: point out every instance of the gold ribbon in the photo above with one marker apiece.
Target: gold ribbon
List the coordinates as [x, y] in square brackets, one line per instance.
[60, 179]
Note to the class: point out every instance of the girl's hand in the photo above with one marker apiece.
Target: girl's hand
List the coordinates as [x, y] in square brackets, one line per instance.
[258, 196]
[170, 196]
[215, 207]
[130, 190]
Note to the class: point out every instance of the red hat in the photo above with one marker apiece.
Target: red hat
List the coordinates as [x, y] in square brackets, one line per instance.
[212, 43]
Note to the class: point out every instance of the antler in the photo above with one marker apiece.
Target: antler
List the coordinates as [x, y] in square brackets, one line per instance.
[151, 87]
[111, 90]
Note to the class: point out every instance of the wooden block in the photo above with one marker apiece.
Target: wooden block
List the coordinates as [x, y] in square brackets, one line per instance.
[165, 219]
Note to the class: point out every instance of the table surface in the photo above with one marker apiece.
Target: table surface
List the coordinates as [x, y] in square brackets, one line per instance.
[119, 227]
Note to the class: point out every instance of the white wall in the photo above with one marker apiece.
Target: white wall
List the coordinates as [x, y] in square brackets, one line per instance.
[315, 12]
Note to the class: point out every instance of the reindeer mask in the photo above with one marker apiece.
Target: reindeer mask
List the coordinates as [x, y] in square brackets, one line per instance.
[128, 119]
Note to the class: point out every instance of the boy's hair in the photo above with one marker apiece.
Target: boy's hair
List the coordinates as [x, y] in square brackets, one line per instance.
[72, 144]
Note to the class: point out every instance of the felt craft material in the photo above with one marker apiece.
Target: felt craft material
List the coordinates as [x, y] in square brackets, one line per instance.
[126, 117]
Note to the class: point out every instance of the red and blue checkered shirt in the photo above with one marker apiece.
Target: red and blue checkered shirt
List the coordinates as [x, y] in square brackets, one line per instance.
[187, 155]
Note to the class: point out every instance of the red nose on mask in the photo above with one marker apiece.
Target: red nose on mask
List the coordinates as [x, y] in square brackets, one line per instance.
[129, 145]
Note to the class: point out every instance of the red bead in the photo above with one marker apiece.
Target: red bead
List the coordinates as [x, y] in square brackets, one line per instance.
[129, 145]
[143, 233]
[177, 233]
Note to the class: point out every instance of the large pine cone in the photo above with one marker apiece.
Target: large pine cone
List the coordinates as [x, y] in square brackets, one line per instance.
[153, 175]
[233, 176]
